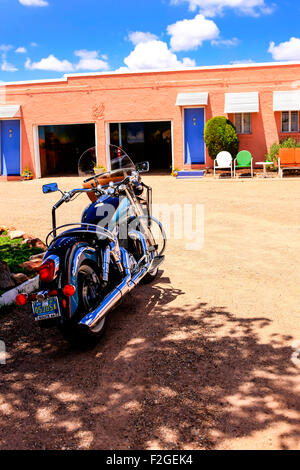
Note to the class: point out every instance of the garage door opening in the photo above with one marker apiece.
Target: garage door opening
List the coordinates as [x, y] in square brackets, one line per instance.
[61, 147]
[151, 141]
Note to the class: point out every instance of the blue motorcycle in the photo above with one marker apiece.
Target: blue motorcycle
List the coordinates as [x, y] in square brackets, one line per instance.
[89, 266]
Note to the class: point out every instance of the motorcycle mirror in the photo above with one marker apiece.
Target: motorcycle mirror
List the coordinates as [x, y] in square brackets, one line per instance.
[50, 188]
[142, 167]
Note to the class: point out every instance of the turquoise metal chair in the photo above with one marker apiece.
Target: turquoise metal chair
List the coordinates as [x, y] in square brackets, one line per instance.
[243, 159]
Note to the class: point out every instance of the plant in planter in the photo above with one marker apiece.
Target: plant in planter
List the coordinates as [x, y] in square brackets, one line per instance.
[273, 154]
[100, 169]
[27, 174]
[175, 172]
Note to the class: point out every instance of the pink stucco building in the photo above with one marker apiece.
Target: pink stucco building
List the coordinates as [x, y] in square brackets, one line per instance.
[157, 115]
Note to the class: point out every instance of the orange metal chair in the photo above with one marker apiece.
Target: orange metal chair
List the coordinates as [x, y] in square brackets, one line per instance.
[289, 159]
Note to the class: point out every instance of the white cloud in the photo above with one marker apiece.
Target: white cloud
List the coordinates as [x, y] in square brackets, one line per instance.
[154, 55]
[138, 36]
[21, 50]
[225, 42]
[242, 62]
[289, 50]
[190, 34]
[34, 3]
[88, 61]
[217, 7]
[4, 48]
[6, 66]
[50, 63]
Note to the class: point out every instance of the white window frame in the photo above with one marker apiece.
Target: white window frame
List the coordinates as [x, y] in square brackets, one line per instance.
[289, 131]
[243, 127]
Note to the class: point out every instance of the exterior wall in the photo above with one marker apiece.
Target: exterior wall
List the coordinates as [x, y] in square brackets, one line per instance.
[102, 99]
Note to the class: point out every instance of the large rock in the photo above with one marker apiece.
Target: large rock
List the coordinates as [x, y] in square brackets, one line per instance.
[37, 257]
[15, 234]
[6, 281]
[31, 266]
[36, 243]
[19, 278]
[26, 236]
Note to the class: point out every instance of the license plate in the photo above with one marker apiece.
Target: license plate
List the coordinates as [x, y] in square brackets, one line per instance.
[46, 309]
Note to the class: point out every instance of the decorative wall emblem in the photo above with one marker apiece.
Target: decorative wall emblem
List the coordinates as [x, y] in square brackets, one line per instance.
[98, 111]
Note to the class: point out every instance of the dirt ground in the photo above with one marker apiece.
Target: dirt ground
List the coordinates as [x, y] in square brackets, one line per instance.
[204, 358]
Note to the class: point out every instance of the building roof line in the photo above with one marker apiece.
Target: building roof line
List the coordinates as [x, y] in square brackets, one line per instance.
[152, 71]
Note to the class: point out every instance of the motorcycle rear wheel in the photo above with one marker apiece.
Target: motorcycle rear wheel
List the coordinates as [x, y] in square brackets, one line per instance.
[89, 288]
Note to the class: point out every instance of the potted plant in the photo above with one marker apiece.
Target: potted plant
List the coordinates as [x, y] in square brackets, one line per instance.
[99, 169]
[175, 172]
[27, 174]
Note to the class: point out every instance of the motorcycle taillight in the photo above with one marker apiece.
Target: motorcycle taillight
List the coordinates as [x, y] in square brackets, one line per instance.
[47, 271]
[21, 299]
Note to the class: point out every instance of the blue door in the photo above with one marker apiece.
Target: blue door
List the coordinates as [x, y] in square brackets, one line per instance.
[194, 136]
[10, 147]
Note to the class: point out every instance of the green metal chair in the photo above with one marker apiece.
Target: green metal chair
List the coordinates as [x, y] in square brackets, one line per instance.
[243, 159]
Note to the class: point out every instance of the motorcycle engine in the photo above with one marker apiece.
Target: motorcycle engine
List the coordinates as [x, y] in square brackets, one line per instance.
[133, 266]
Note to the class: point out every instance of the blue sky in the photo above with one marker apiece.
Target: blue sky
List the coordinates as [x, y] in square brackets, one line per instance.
[48, 38]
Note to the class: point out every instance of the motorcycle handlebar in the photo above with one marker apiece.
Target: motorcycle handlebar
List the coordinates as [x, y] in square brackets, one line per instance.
[68, 195]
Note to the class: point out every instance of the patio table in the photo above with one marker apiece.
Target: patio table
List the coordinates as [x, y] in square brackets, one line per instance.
[264, 165]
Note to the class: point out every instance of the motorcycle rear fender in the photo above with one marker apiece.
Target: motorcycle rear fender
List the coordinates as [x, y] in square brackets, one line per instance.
[79, 253]
[71, 253]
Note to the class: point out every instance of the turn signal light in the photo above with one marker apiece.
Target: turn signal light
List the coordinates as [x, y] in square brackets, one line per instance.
[21, 299]
[47, 271]
[69, 290]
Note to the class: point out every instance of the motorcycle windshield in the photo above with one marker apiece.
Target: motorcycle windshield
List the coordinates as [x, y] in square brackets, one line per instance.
[120, 162]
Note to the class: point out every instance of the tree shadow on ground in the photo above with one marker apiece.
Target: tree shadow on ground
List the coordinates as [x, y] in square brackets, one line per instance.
[163, 377]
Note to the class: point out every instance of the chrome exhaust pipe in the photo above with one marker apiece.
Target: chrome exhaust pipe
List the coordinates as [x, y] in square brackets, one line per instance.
[127, 284]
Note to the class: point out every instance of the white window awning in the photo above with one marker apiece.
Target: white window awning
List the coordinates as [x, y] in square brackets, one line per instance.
[286, 100]
[242, 102]
[10, 111]
[192, 99]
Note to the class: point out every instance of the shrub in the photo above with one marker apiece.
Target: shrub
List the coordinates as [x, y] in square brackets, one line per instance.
[14, 253]
[273, 154]
[220, 135]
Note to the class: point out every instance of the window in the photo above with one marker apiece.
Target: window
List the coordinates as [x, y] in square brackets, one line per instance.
[243, 123]
[290, 121]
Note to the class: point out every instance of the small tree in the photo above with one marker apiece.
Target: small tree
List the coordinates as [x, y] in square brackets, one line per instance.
[220, 135]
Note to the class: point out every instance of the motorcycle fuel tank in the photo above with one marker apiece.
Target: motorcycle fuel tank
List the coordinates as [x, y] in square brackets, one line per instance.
[106, 211]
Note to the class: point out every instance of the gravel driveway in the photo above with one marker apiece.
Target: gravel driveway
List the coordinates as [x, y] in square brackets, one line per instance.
[201, 359]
